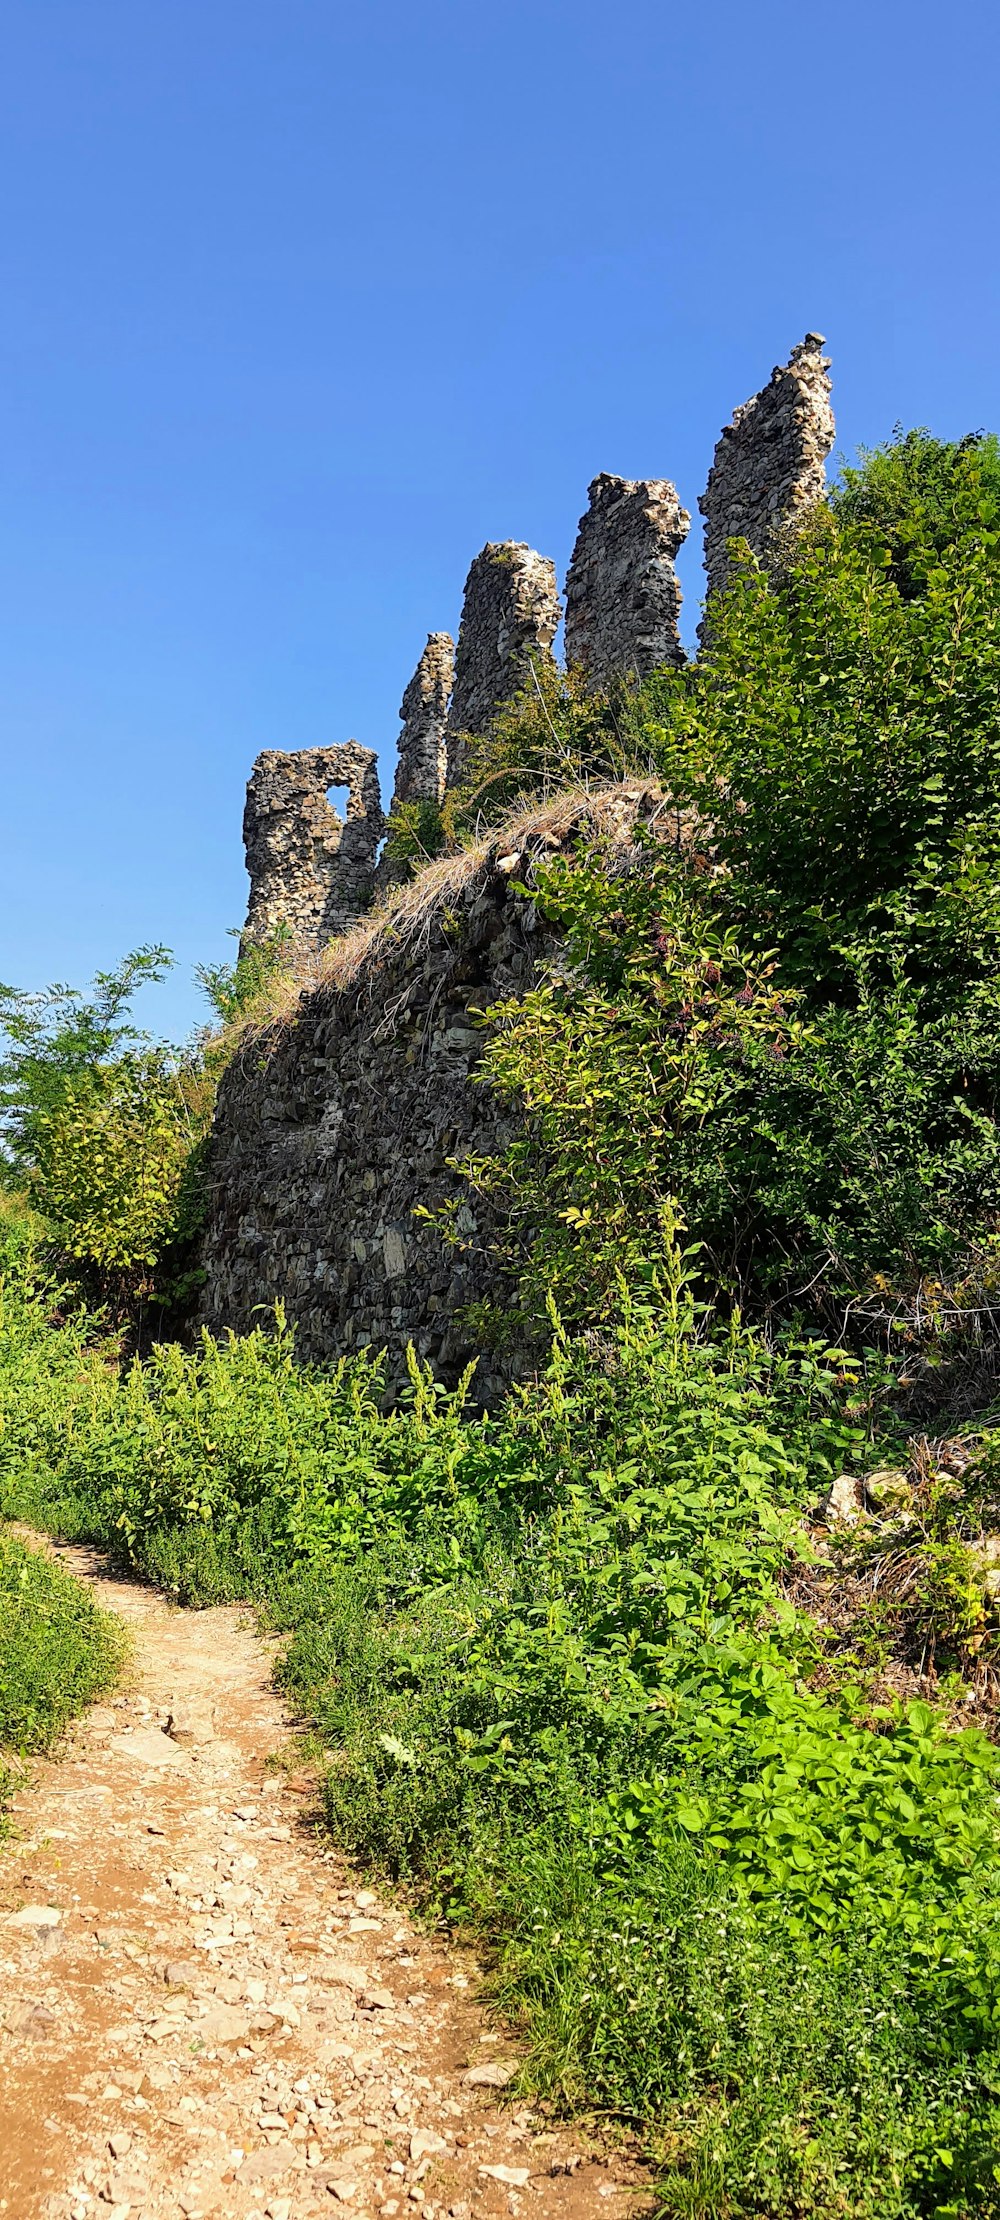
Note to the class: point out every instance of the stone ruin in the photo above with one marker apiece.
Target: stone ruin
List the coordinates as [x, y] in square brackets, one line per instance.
[339, 1141]
[315, 874]
[769, 465]
[622, 592]
[311, 871]
[422, 757]
[510, 614]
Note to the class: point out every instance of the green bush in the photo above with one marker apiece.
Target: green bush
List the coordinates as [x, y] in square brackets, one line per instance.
[911, 500]
[101, 1128]
[566, 1694]
[57, 1652]
[789, 1022]
[844, 739]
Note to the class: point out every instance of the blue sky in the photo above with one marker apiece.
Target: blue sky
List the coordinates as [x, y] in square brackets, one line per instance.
[302, 303]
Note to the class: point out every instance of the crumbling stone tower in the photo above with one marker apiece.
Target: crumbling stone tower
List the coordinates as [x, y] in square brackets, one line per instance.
[310, 869]
[769, 464]
[622, 593]
[421, 764]
[510, 613]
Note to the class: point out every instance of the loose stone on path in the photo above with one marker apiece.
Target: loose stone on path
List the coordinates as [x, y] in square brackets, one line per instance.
[204, 2017]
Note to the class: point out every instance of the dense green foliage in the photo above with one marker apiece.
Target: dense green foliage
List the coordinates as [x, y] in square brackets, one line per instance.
[788, 1015]
[101, 1125]
[57, 1651]
[554, 1655]
[414, 837]
[910, 500]
[102, 1128]
[843, 738]
[593, 1675]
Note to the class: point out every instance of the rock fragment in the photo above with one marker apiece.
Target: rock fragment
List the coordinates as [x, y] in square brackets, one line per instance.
[493, 2076]
[224, 2025]
[147, 1746]
[268, 2164]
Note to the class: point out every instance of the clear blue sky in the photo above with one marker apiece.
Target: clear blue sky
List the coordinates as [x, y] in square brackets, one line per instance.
[302, 302]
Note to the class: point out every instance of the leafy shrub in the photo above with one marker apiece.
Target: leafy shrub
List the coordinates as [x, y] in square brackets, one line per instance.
[110, 1167]
[564, 1690]
[102, 1127]
[57, 1651]
[843, 740]
[790, 1022]
[232, 989]
[415, 836]
[911, 500]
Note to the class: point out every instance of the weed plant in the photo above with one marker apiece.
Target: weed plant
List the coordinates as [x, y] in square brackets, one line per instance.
[57, 1652]
[567, 1699]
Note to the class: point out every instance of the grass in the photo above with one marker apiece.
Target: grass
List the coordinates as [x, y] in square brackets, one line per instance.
[58, 1652]
[606, 812]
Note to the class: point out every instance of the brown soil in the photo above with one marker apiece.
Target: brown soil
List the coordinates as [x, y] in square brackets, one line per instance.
[200, 2010]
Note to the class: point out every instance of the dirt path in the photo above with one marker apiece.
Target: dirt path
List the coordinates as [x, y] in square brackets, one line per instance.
[201, 2011]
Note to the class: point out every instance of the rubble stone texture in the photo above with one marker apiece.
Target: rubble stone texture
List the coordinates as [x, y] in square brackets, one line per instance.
[309, 868]
[336, 1145]
[510, 613]
[622, 594]
[769, 464]
[422, 758]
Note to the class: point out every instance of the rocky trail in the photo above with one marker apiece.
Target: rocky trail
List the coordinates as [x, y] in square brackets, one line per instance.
[202, 2012]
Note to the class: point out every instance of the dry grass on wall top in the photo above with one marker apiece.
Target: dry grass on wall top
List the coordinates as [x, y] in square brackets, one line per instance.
[607, 813]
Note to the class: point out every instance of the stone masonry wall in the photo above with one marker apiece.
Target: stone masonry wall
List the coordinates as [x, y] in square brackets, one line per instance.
[332, 1129]
[622, 593]
[422, 749]
[309, 869]
[510, 612]
[769, 464]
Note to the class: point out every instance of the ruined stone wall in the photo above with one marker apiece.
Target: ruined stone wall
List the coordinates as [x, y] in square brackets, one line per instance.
[622, 592]
[510, 613]
[422, 754]
[332, 1129]
[769, 464]
[310, 869]
[330, 1134]
[317, 874]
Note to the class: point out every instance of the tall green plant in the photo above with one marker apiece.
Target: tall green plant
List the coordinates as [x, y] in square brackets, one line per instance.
[101, 1126]
[843, 737]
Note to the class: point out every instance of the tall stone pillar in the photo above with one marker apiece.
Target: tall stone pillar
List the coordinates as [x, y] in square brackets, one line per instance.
[311, 869]
[769, 464]
[423, 750]
[622, 594]
[510, 613]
